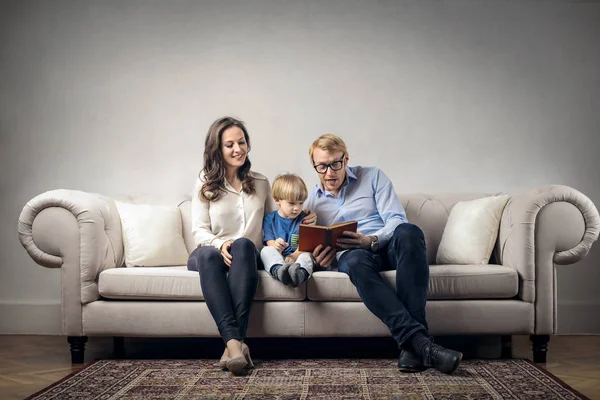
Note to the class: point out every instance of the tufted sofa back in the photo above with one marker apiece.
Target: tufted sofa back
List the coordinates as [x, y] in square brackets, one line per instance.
[429, 212]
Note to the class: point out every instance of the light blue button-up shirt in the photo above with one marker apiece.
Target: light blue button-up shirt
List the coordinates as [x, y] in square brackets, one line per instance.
[366, 196]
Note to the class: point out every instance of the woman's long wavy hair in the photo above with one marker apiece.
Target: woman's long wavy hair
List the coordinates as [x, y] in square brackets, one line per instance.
[214, 165]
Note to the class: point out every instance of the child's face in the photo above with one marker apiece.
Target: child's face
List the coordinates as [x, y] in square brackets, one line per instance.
[289, 209]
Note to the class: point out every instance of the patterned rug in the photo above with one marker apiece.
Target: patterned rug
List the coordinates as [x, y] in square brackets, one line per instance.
[306, 379]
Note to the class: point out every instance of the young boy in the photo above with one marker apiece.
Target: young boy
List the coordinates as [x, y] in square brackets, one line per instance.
[280, 256]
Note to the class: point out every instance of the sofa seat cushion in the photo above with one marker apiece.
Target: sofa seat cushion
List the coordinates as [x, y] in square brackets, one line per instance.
[177, 283]
[445, 282]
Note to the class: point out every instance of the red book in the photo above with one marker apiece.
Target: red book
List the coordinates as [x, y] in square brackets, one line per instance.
[313, 235]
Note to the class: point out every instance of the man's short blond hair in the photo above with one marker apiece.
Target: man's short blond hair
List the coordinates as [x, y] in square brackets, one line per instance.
[328, 142]
[289, 187]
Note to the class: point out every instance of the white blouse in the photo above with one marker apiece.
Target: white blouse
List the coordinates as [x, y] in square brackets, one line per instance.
[233, 215]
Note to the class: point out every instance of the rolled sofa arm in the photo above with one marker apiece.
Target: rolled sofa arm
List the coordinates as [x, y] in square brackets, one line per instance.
[79, 232]
[549, 225]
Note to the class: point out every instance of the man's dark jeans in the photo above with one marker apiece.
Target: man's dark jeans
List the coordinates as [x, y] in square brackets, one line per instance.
[228, 292]
[403, 311]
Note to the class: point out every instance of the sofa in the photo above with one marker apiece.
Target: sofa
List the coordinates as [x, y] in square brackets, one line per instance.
[515, 294]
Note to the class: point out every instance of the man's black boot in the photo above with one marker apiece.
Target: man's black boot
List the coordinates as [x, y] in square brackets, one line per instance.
[440, 358]
[410, 362]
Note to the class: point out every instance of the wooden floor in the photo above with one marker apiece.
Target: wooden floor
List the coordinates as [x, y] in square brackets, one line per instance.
[30, 363]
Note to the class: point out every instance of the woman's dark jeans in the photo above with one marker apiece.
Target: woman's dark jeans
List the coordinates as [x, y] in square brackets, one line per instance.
[228, 292]
[402, 311]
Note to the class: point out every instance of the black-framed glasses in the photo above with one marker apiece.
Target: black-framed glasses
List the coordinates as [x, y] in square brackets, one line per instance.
[335, 166]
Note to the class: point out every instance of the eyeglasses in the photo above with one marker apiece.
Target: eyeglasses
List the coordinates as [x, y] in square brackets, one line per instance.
[335, 166]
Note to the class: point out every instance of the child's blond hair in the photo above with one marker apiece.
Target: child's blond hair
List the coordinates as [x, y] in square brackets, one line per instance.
[289, 187]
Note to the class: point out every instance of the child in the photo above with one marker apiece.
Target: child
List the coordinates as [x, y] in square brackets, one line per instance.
[280, 256]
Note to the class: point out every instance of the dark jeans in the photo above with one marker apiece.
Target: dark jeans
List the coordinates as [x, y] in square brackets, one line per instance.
[228, 292]
[404, 311]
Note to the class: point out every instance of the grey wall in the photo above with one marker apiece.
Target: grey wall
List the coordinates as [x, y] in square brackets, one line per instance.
[115, 97]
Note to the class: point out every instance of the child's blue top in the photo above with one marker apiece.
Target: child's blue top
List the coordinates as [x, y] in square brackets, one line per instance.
[275, 226]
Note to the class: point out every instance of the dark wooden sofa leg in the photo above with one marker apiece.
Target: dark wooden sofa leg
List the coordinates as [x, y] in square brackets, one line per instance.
[77, 344]
[119, 346]
[540, 347]
[506, 343]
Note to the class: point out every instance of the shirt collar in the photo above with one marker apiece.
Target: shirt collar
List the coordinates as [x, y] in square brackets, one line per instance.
[252, 174]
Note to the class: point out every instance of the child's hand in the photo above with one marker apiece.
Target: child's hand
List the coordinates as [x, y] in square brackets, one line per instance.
[280, 244]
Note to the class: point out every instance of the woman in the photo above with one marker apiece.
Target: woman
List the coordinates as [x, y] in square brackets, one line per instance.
[228, 207]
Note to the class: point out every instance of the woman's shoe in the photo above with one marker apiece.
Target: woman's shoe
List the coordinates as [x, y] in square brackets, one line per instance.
[246, 353]
[223, 360]
[237, 365]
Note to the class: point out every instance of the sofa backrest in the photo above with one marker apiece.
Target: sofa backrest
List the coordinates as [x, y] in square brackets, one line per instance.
[429, 212]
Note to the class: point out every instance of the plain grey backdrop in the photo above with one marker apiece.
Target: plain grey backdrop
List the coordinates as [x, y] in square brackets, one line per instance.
[116, 97]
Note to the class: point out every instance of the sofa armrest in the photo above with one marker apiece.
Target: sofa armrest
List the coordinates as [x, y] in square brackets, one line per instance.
[546, 226]
[78, 232]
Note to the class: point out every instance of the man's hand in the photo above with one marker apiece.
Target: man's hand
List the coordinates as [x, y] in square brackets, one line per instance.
[323, 256]
[310, 219]
[225, 252]
[354, 240]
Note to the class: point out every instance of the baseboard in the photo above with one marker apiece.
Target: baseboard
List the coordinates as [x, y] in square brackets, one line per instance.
[574, 318]
[578, 318]
[30, 318]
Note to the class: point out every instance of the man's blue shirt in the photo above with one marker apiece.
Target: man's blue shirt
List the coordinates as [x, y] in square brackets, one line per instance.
[275, 226]
[366, 196]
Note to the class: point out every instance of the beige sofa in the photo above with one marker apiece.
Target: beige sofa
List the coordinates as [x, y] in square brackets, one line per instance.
[80, 233]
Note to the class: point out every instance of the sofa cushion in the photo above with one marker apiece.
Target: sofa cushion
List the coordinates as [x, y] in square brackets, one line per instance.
[177, 283]
[471, 231]
[445, 282]
[152, 235]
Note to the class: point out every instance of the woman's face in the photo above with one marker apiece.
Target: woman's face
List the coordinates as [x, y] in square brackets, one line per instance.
[234, 147]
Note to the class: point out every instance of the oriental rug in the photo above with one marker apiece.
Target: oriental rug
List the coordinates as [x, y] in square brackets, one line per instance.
[306, 379]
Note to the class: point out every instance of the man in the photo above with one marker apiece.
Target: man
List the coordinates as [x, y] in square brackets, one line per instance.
[385, 240]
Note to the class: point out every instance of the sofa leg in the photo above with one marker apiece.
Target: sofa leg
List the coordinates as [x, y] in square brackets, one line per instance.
[540, 347]
[506, 343]
[119, 346]
[77, 344]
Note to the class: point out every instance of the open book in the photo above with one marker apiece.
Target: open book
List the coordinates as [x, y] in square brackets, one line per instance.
[313, 235]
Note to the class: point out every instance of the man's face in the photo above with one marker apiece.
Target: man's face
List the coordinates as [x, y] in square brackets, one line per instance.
[330, 179]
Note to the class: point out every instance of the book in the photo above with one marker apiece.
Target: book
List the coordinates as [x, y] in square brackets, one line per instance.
[310, 236]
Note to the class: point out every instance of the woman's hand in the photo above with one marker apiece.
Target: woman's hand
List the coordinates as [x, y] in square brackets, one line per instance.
[323, 256]
[310, 218]
[354, 240]
[225, 252]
